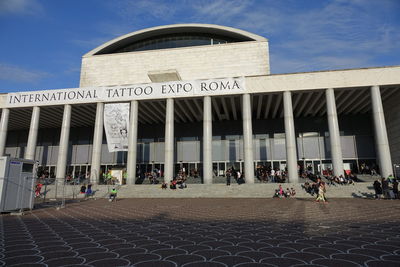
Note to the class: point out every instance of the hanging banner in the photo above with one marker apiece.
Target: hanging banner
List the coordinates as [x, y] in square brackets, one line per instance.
[116, 125]
[212, 87]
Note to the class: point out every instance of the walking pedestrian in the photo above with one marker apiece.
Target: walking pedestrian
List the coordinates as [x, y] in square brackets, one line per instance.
[321, 191]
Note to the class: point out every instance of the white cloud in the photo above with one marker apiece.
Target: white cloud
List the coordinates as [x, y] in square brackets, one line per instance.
[21, 7]
[134, 11]
[220, 10]
[302, 36]
[13, 73]
[334, 34]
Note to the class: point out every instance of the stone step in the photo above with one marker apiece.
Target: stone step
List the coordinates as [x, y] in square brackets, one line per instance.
[265, 190]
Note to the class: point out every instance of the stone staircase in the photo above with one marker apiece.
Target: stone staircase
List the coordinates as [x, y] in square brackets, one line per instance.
[260, 190]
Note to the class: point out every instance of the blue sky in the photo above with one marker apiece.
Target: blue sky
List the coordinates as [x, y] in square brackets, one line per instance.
[42, 41]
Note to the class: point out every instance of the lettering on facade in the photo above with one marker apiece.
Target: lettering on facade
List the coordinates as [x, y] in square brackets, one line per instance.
[65, 95]
[127, 93]
[220, 85]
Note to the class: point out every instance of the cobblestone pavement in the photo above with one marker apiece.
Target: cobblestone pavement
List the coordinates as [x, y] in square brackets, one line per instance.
[205, 232]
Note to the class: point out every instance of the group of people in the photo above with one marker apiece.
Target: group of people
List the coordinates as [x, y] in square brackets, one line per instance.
[268, 174]
[317, 188]
[367, 169]
[388, 187]
[280, 193]
[178, 182]
[235, 174]
[153, 176]
[341, 180]
[86, 191]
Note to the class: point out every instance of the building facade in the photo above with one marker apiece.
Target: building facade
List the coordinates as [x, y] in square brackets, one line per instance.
[202, 97]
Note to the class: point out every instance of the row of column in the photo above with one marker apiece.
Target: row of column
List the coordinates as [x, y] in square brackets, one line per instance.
[382, 143]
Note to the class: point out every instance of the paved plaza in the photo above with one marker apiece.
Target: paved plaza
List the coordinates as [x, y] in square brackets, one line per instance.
[205, 232]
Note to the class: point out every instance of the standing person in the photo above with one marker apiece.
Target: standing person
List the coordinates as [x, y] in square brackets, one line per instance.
[233, 173]
[272, 175]
[396, 189]
[228, 177]
[385, 188]
[378, 189]
[321, 191]
[238, 176]
[38, 188]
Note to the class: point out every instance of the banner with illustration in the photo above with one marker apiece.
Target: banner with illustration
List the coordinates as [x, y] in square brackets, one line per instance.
[116, 125]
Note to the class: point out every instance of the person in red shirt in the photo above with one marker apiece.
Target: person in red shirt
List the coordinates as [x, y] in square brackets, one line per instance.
[38, 189]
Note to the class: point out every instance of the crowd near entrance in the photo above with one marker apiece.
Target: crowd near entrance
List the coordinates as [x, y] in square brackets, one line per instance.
[153, 172]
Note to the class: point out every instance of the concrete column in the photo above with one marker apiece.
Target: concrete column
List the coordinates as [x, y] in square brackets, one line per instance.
[132, 143]
[247, 140]
[5, 114]
[381, 139]
[33, 133]
[169, 141]
[334, 134]
[207, 141]
[63, 147]
[97, 144]
[291, 153]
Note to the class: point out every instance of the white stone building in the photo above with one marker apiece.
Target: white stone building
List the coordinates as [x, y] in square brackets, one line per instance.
[340, 119]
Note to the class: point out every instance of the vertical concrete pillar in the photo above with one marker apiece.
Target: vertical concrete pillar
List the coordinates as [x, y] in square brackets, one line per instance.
[5, 114]
[33, 133]
[381, 139]
[169, 141]
[97, 144]
[132, 143]
[63, 146]
[207, 141]
[247, 140]
[291, 152]
[334, 134]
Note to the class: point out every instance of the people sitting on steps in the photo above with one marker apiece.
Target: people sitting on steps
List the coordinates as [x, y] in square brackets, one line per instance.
[280, 193]
[164, 185]
[83, 189]
[113, 194]
[89, 191]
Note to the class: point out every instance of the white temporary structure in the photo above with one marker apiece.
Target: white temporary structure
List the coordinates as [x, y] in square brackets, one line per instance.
[17, 180]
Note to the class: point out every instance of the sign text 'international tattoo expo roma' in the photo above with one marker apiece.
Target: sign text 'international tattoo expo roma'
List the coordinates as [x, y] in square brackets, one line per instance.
[126, 93]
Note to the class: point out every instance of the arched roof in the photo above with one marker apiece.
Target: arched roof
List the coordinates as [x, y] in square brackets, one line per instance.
[136, 36]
